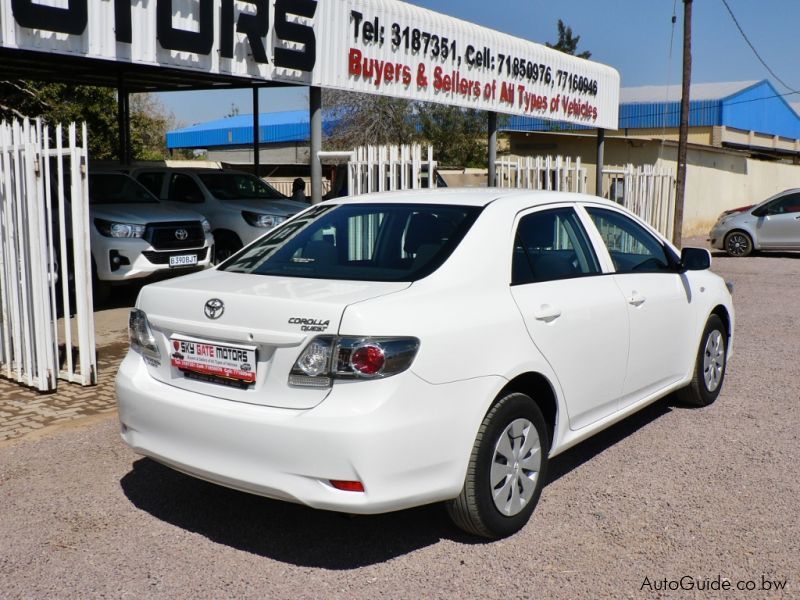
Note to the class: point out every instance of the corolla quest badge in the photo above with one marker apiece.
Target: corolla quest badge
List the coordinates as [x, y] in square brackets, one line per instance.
[181, 234]
[214, 308]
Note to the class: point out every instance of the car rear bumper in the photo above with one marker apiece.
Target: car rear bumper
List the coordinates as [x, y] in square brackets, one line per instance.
[406, 440]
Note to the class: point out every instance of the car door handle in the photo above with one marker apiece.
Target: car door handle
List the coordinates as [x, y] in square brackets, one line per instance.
[797, 217]
[547, 313]
[636, 299]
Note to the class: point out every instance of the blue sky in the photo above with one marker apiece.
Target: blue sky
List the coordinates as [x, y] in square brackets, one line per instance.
[633, 36]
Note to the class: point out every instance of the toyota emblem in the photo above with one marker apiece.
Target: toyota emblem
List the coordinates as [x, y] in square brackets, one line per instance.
[181, 234]
[214, 308]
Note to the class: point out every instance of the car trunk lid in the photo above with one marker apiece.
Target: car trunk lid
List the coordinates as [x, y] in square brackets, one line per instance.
[254, 325]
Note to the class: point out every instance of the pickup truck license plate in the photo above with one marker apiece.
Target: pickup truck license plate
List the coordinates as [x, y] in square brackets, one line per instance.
[183, 260]
[212, 358]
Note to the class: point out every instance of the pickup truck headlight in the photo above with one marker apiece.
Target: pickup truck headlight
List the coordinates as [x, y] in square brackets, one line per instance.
[119, 230]
[206, 226]
[262, 220]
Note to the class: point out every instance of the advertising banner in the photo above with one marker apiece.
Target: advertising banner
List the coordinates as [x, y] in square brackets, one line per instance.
[380, 47]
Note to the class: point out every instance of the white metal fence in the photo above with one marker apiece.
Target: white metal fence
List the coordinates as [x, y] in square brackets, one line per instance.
[44, 257]
[541, 173]
[648, 191]
[390, 168]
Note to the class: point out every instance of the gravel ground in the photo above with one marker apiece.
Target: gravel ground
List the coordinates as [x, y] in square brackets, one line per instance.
[708, 493]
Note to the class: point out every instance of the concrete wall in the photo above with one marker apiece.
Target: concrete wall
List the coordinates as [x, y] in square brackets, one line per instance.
[716, 179]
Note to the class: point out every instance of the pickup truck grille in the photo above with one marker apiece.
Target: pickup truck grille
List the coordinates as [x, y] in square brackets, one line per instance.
[162, 258]
[167, 236]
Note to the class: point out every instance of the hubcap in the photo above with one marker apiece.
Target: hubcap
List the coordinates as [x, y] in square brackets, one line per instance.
[738, 244]
[515, 467]
[713, 360]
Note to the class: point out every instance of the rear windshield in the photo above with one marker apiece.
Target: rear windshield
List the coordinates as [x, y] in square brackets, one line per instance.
[362, 242]
[239, 186]
[116, 188]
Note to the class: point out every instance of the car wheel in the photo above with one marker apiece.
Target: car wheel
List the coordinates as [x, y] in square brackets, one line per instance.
[506, 470]
[738, 243]
[225, 245]
[709, 368]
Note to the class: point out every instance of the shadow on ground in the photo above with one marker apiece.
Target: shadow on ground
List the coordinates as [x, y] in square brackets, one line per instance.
[313, 538]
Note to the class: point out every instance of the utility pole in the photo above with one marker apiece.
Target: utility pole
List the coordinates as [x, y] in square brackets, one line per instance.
[683, 132]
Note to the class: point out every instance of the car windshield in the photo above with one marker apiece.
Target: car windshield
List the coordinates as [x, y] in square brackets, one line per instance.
[239, 186]
[361, 242]
[116, 188]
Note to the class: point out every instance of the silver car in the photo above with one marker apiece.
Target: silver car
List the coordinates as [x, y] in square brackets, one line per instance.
[772, 225]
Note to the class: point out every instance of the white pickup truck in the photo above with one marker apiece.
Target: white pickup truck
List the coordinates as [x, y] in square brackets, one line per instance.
[240, 206]
[133, 236]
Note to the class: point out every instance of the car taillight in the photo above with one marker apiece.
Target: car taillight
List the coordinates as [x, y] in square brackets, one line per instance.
[329, 357]
[367, 359]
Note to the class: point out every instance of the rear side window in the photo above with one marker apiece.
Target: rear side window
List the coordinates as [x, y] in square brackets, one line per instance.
[632, 248]
[551, 244]
[363, 242]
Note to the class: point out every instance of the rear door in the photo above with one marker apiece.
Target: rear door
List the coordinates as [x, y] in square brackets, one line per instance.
[574, 313]
[658, 299]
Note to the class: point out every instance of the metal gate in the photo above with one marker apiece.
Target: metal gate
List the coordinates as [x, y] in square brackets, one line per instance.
[389, 168]
[647, 191]
[45, 262]
[541, 173]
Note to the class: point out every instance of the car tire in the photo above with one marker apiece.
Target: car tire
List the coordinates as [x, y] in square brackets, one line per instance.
[709, 367]
[738, 244]
[499, 495]
[226, 244]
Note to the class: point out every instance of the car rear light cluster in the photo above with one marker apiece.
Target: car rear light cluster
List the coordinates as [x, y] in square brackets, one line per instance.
[141, 335]
[330, 357]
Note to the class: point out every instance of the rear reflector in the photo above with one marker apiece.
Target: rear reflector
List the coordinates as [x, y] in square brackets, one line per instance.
[348, 486]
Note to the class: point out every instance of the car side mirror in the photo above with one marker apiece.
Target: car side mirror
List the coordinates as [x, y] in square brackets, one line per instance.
[695, 259]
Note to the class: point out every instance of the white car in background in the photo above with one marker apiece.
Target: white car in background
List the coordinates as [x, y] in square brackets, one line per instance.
[239, 205]
[398, 349]
[774, 224]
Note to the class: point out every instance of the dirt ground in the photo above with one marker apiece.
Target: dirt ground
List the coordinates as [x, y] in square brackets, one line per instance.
[709, 495]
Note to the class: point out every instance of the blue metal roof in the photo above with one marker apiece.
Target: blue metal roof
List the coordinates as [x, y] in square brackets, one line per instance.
[275, 127]
[751, 106]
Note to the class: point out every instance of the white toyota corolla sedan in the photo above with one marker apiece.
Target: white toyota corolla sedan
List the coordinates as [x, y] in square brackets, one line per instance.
[397, 349]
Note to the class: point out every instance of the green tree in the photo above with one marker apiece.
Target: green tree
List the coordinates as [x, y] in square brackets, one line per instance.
[458, 135]
[567, 42]
[97, 106]
[364, 119]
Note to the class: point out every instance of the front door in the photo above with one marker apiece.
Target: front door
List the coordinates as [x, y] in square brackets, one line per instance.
[780, 226]
[657, 297]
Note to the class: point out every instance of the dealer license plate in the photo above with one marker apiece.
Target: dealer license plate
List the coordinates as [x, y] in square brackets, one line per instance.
[232, 362]
[183, 260]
